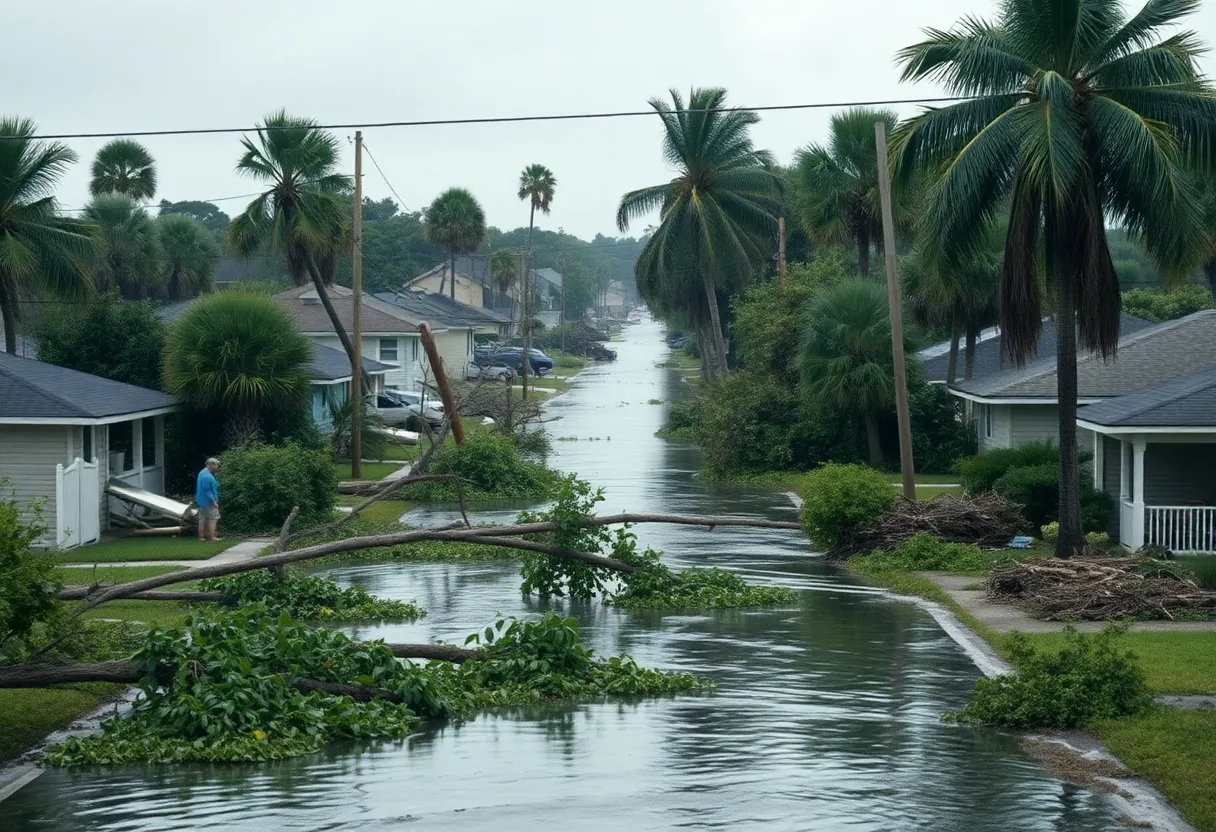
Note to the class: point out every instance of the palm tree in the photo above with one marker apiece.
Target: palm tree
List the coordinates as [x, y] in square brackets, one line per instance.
[190, 256]
[504, 268]
[536, 184]
[847, 366]
[839, 202]
[239, 353]
[717, 216]
[129, 256]
[301, 216]
[124, 167]
[42, 253]
[456, 222]
[1076, 113]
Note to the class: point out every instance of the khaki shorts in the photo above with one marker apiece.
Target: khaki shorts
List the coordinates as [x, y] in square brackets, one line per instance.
[208, 513]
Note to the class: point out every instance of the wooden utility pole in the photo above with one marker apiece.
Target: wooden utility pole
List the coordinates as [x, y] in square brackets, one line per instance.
[523, 316]
[441, 381]
[356, 361]
[897, 329]
[781, 255]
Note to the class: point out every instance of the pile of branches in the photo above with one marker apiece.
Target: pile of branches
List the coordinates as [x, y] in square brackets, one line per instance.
[983, 519]
[1098, 588]
[581, 340]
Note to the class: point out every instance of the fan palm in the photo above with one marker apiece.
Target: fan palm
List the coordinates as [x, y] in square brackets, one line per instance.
[847, 364]
[504, 268]
[301, 216]
[124, 167]
[839, 184]
[239, 353]
[190, 256]
[129, 256]
[536, 184]
[1077, 114]
[717, 216]
[456, 222]
[40, 252]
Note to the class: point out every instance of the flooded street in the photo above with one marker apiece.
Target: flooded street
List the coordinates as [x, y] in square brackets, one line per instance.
[826, 716]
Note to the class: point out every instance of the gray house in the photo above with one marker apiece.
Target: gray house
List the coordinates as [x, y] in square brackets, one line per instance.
[1155, 454]
[64, 434]
[1016, 406]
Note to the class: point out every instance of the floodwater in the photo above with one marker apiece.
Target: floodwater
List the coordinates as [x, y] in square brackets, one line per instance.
[826, 715]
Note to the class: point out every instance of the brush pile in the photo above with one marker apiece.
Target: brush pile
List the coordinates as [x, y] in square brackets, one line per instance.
[581, 340]
[1097, 588]
[983, 519]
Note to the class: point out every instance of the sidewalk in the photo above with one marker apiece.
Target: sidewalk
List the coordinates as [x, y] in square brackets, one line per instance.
[243, 551]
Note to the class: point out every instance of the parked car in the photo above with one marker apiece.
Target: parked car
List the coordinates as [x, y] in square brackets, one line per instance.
[392, 411]
[488, 369]
[513, 357]
[418, 404]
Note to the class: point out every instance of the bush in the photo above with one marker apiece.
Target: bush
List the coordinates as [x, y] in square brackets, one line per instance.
[1037, 490]
[980, 473]
[1088, 679]
[27, 579]
[842, 500]
[109, 337]
[1097, 508]
[1166, 306]
[1050, 531]
[259, 484]
[491, 466]
[940, 438]
[924, 552]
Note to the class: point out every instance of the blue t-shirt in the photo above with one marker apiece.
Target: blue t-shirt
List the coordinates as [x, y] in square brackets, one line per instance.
[206, 489]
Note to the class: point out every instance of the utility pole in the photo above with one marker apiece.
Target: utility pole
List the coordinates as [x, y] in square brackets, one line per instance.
[781, 255]
[563, 324]
[897, 328]
[523, 282]
[356, 370]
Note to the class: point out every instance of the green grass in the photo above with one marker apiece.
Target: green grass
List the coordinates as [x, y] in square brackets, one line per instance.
[370, 470]
[151, 613]
[556, 385]
[110, 574]
[566, 361]
[1175, 750]
[1177, 662]
[929, 479]
[120, 549]
[28, 715]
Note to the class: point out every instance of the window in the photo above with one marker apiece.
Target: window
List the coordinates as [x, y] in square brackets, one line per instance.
[86, 449]
[149, 432]
[388, 350]
[987, 421]
[414, 348]
[122, 446]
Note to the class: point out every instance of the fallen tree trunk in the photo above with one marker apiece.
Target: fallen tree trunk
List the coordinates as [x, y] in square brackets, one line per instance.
[76, 593]
[486, 535]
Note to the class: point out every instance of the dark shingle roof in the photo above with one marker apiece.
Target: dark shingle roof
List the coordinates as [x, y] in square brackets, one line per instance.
[1149, 356]
[990, 359]
[442, 310]
[331, 365]
[1189, 401]
[32, 389]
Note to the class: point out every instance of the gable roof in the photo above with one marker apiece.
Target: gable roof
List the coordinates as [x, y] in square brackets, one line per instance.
[442, 310]
[1152, 355]
[989, 353]
[553, 277]
[329, 364]
[33, 391]
[1187, 401]
[310, 316]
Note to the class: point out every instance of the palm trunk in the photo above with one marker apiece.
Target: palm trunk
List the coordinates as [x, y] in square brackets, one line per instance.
[873, 440]
[8, 313]
[452, 271]
[241, 427]
[323, 295]
[711, 298]
[956, 332]
[969, 364]
[1070, 537]
[863, 253]
[527, 362]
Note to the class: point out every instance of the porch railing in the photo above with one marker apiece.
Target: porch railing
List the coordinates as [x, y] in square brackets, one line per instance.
[1181, 529]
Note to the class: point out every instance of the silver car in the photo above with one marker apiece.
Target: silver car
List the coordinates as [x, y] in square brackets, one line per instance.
[417, 404]
[496, 371]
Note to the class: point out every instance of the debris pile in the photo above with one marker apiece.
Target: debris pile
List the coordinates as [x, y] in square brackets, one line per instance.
[983, 519]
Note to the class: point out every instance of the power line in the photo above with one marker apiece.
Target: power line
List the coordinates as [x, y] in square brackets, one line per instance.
[198, 131]
[400, 201]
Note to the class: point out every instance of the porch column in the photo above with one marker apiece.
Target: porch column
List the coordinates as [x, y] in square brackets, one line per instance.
[137, 448]
[1139, 445]
[158, 429]
[1099, 461]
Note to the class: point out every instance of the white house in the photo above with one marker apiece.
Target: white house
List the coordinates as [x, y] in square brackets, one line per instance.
[64, 434]
[330, 377]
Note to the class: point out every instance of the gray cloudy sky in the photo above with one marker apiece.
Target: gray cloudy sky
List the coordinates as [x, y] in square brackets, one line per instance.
[151, 64]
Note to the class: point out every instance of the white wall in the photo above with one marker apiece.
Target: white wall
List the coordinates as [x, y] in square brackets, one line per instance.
[407, 370]
[28, 456]
[1014, 425]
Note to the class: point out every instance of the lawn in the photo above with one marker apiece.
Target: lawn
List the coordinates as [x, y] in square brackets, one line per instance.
[120, 549]
[109, 574]
[566, 361]
[152, 613]
[1179, 662]
[927, 479]
[28, 715]
[1176, 751]
[371, 470]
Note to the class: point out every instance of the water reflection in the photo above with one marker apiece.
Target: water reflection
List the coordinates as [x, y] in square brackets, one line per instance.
[826, 715]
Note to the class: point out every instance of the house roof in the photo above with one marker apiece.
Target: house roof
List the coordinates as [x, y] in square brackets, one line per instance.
[553, 277]
[1187, 401]
[989, 353]
[334, 365]
[1146, 357]
[34, 391]
[442, 310]
[310, 316]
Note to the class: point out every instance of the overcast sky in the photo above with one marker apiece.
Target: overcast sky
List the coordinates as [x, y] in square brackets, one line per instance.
[150, 64]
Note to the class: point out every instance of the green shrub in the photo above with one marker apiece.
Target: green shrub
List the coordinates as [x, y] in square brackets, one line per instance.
[1050, 531]
[681, 420]
[1037, 490]
[1166, 306]
[491, 466]
[1088, 679]
[1099, 539]
[309, 597]
[655, 587]
[1203, 569]
[924, 552]
[841, 500]
[27, 579]
[259, 484]
[1097, 508]
[979, 473]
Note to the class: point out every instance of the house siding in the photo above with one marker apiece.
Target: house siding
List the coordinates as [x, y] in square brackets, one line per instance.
[28, 456]
[405, 372]
[467, 290]
[1034, 423]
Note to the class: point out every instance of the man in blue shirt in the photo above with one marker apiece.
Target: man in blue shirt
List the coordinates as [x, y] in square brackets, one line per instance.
[207, 498]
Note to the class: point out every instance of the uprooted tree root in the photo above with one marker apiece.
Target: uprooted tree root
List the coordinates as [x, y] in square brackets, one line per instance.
[983, 519]
[1098, 589]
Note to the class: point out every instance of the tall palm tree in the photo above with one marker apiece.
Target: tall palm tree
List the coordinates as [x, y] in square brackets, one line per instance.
[301, 216]
[504, 268]
[717, 216]
[239, 353]
[190, 256]
[847, 364]
[536, 184]
[839, 202]
[124, 167]
[456, 222]
[1076, 114]
[129, 256]
[40, 252]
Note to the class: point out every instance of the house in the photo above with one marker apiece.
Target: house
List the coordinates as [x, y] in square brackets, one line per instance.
[329, 375]
[1155, 454]
[1019, 405]
[441, 310]
[475, 285]
[614, 301]
[549, 295]
[64, 434]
